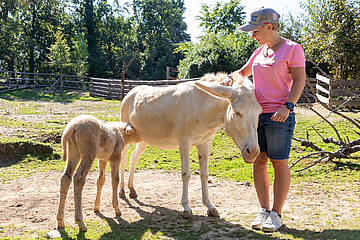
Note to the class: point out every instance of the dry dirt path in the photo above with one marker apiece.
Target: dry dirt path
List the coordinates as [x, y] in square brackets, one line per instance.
[31, 203]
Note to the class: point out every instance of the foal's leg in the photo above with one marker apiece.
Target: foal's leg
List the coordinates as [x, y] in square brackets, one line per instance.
[123, 165]
[100, 183]
[134, 159]
[114, 164]
[73, 158]
[79, 182]
[184, 149]
[203, 151]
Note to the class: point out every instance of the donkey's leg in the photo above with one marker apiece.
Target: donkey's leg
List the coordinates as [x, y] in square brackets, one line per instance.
[114, 164]
[100, 183]
[203, 151]
[184, 149]
[79, 182]
[134, 159]
[73, 157]
[123, 162]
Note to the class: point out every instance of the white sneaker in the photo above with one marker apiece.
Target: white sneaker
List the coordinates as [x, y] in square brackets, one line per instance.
[260, 219]
[272, 223]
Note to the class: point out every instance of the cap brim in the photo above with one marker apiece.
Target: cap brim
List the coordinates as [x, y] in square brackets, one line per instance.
[248, 27]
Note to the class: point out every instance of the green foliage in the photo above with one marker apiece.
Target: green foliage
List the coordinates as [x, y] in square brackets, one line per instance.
[223, 17]
[59, 55]
[215, 53]
[160, 27]
[332, 35]
[79, 55]
[223, 48]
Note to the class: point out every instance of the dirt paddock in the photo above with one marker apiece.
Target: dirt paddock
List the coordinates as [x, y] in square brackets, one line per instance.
[31, 203]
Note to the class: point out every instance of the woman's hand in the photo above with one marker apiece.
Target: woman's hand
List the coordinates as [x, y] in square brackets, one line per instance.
[228, 81]
[281, 114]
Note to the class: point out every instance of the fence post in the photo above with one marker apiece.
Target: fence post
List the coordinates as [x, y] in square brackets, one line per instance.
[330, 89]
[9, 79]
[62, 85]
[167, 73]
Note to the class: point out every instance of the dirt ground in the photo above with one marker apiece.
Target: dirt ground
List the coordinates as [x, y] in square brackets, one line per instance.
[31, 203]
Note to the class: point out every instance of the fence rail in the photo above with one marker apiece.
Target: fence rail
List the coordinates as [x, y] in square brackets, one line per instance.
[337, 92]
[328, 91]
[112, 88]
[12, 80]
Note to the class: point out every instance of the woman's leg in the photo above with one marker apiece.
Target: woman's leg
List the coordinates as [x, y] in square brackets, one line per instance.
[281, 183]
[261, 180]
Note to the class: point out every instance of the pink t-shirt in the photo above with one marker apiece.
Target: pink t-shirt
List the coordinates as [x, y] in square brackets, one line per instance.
[272, 77]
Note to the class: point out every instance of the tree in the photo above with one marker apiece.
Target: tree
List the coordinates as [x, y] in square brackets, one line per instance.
[224, 17]
[95, 62]
[59, 55]
[223, 48]
[332, 35]
[160, 27]
[215, 53]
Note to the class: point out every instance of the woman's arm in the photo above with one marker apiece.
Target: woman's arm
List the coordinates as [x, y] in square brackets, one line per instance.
[298, 74]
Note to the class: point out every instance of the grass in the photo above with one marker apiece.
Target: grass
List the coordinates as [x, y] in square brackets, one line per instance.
[21, 110]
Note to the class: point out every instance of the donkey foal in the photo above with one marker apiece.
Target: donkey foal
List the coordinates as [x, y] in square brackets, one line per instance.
[87, 138]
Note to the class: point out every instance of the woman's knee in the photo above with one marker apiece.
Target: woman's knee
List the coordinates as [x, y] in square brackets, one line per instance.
[279, 164]
[261, 160]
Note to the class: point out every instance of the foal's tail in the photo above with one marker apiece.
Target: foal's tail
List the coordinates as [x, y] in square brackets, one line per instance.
[65, 140]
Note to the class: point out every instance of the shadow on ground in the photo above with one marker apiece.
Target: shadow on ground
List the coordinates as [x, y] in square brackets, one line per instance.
[167, 223]
[39, 94]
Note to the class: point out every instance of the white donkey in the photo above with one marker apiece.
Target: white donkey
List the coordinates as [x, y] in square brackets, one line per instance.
[189, 114]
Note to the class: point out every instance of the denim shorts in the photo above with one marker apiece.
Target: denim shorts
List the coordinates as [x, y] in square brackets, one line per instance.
[275, 137]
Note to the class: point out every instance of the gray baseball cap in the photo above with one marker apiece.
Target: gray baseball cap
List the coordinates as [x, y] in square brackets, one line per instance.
[260, 17]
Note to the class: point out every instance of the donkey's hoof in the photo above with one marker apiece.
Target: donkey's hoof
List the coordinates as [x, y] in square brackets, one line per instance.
[213, 213]
[133, 193]
[122, 194]
[96, 209]
[82, 226]
[187, 214]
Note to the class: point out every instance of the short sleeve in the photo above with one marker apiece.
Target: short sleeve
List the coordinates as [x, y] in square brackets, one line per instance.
[253, 56]
[297, 57]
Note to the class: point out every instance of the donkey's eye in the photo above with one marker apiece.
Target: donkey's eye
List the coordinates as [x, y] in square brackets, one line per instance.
[238, 114]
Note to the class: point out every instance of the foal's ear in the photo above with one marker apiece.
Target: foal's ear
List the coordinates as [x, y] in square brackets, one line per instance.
[129, 130]
[215, 90]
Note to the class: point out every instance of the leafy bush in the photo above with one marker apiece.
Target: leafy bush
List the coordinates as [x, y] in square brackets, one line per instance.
[215, 53]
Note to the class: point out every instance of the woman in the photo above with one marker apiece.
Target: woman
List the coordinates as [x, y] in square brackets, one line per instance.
[278, 69]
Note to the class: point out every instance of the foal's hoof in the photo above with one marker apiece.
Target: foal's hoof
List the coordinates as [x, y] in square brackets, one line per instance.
[213, 213]
[133, 193]
[122, 194]
[60, 227]
[117, 212]
[187, 214]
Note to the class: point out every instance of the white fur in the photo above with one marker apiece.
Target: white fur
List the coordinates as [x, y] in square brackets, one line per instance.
[189, 114]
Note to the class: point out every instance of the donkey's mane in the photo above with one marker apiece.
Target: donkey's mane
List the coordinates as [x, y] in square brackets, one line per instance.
[239, 81]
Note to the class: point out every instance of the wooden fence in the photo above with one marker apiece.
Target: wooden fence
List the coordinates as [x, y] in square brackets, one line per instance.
[328, 91]
[11, 80]
[117, 89]
[337, 92]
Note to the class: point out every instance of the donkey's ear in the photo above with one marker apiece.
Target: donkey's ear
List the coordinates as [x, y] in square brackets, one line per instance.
[215, 90]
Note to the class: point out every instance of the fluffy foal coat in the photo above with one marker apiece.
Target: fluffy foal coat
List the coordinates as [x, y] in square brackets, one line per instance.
[86, 138]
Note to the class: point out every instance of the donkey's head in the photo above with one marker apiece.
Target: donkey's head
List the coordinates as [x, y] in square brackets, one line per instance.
[242, 114]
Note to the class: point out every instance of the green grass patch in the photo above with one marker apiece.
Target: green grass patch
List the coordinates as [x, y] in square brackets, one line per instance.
[32, 119]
